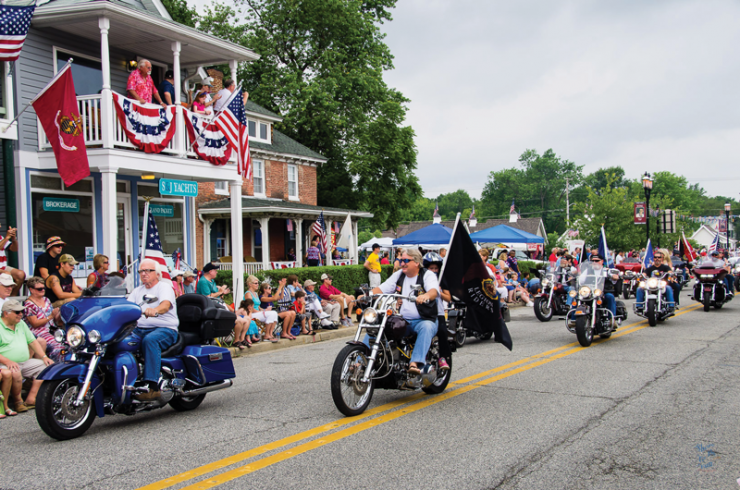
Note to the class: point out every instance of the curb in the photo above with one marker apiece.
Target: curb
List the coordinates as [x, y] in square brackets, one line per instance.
[320, 336]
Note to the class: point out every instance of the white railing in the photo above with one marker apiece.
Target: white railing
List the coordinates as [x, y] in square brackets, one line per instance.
[249, 267]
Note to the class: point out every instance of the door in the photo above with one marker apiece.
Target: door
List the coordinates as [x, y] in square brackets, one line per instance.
[123, 217]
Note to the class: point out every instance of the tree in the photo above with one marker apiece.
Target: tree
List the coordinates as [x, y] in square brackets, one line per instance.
[454, 202]
[181, 12]
[321, 69]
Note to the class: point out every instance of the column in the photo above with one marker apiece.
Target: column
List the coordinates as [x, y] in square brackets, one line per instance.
[299, 242]
[233, 65]
[110, 217]
[206, 241]
[180, 146]
[355, 243]
[106, 98]
[237, 241]
[265, 229]
[328, 223]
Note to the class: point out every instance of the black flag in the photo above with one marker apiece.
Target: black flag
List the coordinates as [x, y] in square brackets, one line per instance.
[466, 277]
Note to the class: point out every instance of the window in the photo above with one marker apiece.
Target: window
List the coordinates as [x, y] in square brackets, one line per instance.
[252, 129]
[263, 131]
[221, 188]
[87, 72]
[292, 182]
[258, 177]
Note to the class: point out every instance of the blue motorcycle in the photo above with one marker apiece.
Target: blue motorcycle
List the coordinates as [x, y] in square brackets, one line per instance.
[103, 367]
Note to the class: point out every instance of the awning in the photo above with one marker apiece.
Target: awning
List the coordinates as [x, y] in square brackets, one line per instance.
[505, 234]
[436, 234]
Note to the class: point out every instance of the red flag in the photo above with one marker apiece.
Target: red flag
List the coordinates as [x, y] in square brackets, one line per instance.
[687, 250]
[56, 108]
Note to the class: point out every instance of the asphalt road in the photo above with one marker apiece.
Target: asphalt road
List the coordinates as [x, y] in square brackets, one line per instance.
[650, 408]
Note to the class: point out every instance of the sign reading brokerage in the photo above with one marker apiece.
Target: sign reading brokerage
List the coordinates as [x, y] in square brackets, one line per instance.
[162, 210]
[61, 204]
[187, 188]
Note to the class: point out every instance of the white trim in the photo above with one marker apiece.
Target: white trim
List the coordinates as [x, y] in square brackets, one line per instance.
[290, 211]
[295, 169]
[256, 136]
[259, 115]
[221, 191]
[11, 132]
[262, 177]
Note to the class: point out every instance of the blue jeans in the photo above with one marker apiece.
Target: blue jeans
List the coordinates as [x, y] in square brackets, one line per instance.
[425, 332]
[730, 283]
[153, 342]
[640, 296]
[610, 303]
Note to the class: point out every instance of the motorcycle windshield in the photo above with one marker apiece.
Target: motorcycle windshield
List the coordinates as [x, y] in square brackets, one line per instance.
[592, 278]
[115, 287]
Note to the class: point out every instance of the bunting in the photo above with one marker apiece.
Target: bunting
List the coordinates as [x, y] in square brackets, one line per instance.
[149, 127]
[207, 139]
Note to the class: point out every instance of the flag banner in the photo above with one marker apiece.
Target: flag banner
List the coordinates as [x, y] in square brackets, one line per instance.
[345, 235]
[282, 265]
[207, 140]
[149, 127]
[648, 259]
[603, 248]
[14, 23]
[319, 229]
[466, 277]
[57, 110]
[715, 244]
[233, 122]
[289, 224]
[640, 215]
[436, 211]
[152, 244]
[685, 248]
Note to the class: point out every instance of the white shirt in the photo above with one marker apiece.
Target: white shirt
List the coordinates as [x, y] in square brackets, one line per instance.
[164, 292]
[408, 309]
[221, 103]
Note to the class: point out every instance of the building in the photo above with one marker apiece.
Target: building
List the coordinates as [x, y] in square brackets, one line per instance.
[705, 236]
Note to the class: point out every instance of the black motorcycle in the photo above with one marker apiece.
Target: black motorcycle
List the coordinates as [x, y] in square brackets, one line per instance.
[655, 307]
[358, 369]
[552, 298]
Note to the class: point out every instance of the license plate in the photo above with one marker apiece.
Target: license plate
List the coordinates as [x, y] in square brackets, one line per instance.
[707, 288]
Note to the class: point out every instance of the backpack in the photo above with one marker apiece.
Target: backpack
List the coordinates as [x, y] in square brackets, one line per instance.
[427, 311]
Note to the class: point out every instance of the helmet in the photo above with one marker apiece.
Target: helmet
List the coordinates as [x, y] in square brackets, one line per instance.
[432, 258]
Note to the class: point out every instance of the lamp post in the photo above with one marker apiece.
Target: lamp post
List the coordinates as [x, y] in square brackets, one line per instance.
[728, 206]
[647, 184]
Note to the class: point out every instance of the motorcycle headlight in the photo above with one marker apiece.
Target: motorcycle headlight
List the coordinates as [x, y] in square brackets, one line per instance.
[572, 293]
[597, 292]
[706, 276]
[75, 336]
[584, 292]
[545, 282]
[737, 269]
[370, 316]
[652, 282]
[93, 336]
[59, 336]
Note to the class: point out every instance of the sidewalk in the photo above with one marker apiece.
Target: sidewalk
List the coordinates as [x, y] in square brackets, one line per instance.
[320, 336]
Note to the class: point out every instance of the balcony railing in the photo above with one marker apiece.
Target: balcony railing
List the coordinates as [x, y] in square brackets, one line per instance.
[249, 267]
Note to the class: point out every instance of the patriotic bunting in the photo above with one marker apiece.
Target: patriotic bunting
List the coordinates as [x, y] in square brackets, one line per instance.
[207, 139]
[149, 127]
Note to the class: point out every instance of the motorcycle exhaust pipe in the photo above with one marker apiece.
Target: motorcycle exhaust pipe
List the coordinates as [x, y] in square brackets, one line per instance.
[207, 389]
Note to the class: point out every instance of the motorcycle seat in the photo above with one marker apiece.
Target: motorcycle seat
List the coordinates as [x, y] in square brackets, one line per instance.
[176, 348]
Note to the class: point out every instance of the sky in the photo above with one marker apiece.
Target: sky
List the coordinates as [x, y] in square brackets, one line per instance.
[647, 85]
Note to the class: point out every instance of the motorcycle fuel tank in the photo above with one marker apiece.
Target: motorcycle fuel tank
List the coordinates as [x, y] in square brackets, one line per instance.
[130, 343]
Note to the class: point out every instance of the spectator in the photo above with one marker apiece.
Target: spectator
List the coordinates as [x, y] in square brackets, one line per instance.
[48, 261]
[329, 292]
[243, 330]
[397, 260]
[206, 88]
[224, 94]
[443, 252]
[158, 330]
[532, 283]
[188, 283]
[313, 254]
[291, 255]
[15, 361]
[321, 308]
[385, 260]
[620, 257]
[299, 305]
[6, 287]
[140, 85]
[553, 257]
[60, 285]
[263, 314]
[511, 262]
[372, 264]
[40, 316]
[177, 284]
[10, 241]
[282, 297]
[167, 87]
[207, 283]
[335, 255]
[521, 290]
[99, 277]
[293, 285]
[199, 104]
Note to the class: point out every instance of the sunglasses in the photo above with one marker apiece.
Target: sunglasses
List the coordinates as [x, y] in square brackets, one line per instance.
[405, 261]
[39, 289]
[596, 261]
[148, 271]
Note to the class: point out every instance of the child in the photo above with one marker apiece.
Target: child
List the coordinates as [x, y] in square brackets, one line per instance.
[300, 311]
[245, 330]
[199, 104]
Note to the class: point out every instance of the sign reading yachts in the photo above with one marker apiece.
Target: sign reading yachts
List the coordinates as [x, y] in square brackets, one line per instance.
[187, 188]
[61, 204]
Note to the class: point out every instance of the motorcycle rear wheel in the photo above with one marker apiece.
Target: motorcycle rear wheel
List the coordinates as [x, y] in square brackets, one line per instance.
[55, 413]
[652, 313]
[584, 332]
[350, 395]
[541, 310]
[184, 404]
[441, 384]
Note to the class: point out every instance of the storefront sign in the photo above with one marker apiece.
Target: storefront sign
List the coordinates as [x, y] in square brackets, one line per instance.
[61, 204]
[640, 213]
[162, 210]
[185, 188]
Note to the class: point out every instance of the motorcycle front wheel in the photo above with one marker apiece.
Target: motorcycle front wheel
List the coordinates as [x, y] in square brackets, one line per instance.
[541, 310]
[460, 336]
[56, 413]
[351, 396]
[652, 313]
[707, 301]
[626, 293]
[584, 332]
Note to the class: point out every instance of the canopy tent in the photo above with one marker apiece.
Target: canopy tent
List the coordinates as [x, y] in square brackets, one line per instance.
[435, 234]
[384, 242]
[505, 234]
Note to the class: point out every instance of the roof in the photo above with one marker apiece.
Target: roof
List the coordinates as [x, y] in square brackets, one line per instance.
[154, 7]
[530, 225]
[274, 206]
[434, 234]
[284, 144]
[505, 234]
[258, 109]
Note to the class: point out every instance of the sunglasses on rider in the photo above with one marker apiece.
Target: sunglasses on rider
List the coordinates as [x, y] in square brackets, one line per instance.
[657, 256]
[405, 261]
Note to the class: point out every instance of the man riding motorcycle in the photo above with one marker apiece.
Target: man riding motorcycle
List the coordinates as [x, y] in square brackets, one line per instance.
[716, 260]
[612, 285]
[658, 265]
[565, 273]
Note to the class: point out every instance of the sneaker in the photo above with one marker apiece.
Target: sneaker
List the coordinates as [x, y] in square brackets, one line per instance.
[443, 366]
[530, 303]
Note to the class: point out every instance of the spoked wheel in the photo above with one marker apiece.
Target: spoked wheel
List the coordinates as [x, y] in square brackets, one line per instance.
[460, 336]
[652, 313]
[541, 310]
[584, 332]
[441, 382]
[56, 413]
[350, 394]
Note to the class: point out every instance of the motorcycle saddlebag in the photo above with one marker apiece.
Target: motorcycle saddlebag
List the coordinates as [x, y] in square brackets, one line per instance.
[218, 323]
[210, 361]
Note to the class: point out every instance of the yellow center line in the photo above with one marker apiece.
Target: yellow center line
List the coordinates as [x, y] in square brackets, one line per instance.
[529, 363]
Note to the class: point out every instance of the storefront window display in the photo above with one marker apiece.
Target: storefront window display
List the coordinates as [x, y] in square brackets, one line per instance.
[169, 216]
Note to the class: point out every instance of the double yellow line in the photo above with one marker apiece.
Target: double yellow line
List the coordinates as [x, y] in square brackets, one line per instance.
[404, 405]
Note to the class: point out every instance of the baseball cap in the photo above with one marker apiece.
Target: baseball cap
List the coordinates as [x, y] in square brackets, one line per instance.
[67, 259]
[13, 305]
[309, 282]
[597, 256]
[176, 272]
[325, 276]
[6, 280]
[714, 252]
[187, 274]
[209, 267]
[53, 241]
[375, 245]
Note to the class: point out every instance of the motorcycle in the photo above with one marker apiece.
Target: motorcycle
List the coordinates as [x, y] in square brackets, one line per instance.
[588, 315]
[103, 368]
[359, 370]
[457, 327]
[655, 308]
[552, 300]
[710, 288]
[630, 281]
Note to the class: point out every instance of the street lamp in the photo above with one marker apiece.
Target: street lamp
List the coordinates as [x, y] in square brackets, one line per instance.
[728, 206]
[647, 184]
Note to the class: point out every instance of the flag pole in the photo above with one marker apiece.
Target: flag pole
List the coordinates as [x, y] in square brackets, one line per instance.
[452, 237]
[59, 74]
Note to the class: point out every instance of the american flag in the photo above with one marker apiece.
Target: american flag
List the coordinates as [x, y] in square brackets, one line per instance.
[319, 228]
[177, 256]
[715, 243]
[436, 211]
[289, 224]
[512, 209]
[152, 244]
[14, 24]
[472, 213]
[233, 122]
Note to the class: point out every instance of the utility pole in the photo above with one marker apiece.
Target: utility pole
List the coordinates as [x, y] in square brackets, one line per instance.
[567, 202]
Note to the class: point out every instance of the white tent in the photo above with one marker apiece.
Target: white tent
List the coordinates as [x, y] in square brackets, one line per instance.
[383, 242]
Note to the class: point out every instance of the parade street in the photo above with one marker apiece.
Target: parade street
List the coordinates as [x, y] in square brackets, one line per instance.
[650, 408]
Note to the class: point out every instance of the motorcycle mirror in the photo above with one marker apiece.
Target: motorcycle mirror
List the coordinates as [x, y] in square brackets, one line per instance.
[149, 299]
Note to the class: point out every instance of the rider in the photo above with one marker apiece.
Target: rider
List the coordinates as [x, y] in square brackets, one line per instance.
[659, 266]
[425, 328]
[433, 262]
[564, 273]
[715, 260]
[611, 284]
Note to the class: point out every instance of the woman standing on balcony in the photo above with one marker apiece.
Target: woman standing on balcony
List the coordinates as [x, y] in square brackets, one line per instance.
[265, 315]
